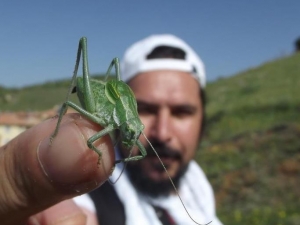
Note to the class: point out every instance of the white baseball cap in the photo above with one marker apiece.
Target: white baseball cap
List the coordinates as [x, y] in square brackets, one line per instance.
[135, 58]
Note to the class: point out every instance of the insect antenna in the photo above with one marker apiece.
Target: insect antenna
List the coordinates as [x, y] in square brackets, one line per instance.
[172, 181]
[123, 169]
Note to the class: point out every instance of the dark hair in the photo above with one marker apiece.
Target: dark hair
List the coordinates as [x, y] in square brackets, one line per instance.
[165, 52]
[203, 102]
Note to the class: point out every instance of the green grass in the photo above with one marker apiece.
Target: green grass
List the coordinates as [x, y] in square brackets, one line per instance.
[256, 174]
[255, 99]
[251, 147]
[38, 97]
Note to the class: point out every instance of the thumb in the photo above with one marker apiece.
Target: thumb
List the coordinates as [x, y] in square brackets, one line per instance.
[36, 174]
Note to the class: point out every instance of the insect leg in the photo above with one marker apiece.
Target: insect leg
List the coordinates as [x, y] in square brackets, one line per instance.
[88, 93]
[63, 110]
[78, 109]
[115, 62]
[135, 158]
[97, 136]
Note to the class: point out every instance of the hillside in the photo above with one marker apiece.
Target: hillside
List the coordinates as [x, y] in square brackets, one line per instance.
[251, 150]
[251, 147]
[37, 97]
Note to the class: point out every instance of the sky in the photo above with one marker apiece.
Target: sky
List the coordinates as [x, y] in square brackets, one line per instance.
[39, 39]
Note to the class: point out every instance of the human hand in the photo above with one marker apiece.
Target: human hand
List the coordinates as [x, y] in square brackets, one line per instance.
[36, 178]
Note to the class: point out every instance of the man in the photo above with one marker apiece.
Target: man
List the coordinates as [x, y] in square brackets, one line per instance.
[167, 78]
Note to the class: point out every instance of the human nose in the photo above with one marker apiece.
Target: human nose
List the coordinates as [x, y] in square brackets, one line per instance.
[161, 129]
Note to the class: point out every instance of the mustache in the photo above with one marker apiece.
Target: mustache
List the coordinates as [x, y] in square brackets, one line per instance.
[162, 150]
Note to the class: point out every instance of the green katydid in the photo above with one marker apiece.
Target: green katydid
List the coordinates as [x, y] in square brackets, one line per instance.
[111, 104]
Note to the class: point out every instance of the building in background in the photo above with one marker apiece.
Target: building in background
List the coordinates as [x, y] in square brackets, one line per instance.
[14, 123]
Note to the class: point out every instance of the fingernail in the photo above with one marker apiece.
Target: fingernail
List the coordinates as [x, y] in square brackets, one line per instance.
[66, 162]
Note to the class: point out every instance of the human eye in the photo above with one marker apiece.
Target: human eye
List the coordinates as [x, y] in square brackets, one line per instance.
[183, 111]
[144, 108]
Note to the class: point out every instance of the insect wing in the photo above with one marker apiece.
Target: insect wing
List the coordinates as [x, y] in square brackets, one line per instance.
[111, 91]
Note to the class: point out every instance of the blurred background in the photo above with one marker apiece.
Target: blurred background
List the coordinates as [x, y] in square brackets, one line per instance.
[251, 148]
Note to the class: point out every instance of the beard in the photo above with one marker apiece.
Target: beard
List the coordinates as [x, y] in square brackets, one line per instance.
[155, 188]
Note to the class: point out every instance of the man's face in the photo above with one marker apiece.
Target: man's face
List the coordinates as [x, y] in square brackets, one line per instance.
[169, 106]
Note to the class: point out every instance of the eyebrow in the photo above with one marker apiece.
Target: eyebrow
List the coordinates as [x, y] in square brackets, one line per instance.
[145, 104]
